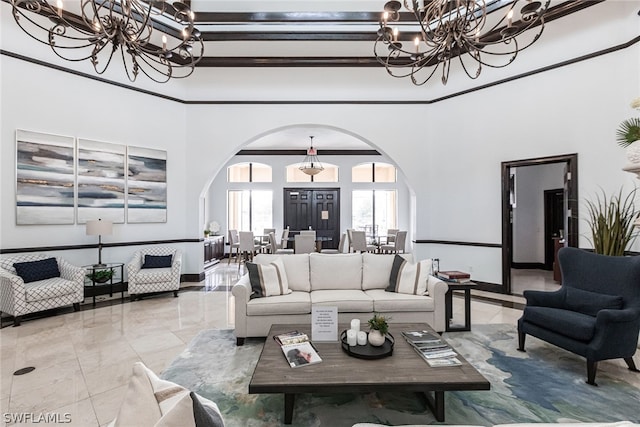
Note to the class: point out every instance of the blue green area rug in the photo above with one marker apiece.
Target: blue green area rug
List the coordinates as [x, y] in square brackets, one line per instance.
[545, 384]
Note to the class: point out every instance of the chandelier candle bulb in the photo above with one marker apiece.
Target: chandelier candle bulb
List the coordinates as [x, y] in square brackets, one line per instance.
[352, 338]
[395, 34]
[355, 325]
[510, 18]
[164, 42]
[362, 338]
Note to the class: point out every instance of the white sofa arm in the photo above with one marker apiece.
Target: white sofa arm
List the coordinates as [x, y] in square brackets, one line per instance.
[12, 292]
[241, 292]
[437, 289]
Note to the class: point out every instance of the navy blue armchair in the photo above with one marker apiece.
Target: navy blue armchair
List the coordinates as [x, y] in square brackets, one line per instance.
[596, 312]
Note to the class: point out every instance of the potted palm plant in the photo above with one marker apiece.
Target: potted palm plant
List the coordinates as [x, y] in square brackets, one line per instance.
[611, 221]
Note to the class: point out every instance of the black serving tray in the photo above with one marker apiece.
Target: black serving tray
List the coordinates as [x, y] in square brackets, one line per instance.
[368, 351]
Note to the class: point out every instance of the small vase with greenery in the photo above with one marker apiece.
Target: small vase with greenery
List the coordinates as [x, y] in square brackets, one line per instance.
[379, 328]
[611, 221]
[100, 276]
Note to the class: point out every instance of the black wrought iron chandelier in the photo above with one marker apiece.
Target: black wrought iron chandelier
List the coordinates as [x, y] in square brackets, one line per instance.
[154, 37]
[311, 165]
[477, 32]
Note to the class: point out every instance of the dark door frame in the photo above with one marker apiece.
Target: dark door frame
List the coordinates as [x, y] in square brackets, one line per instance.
[550, 206]
[571, 196]
[333, 244]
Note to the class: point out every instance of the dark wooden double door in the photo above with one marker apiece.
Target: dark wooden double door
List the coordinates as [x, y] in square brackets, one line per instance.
[318, 208]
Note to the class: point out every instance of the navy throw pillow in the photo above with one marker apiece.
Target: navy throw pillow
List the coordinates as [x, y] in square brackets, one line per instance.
[591, 303]
[157, 261]
[32, 271]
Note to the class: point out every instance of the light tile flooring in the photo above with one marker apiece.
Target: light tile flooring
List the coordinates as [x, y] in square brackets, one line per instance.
[83, 359]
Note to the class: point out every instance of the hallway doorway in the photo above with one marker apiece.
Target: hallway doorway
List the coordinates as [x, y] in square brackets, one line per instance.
[535, 211]
[317, 209]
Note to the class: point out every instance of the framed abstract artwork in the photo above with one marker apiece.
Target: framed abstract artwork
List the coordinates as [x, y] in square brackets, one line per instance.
[146, 185]
[101, 181]
[45, 178]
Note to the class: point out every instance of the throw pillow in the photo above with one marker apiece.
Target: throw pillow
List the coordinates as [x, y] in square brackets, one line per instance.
[151, 401]
[408, 278]
[268, 279]
[32, 271]
[590, 303]
[157, 261]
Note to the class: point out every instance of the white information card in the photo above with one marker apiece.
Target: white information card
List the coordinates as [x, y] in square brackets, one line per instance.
[324, 323]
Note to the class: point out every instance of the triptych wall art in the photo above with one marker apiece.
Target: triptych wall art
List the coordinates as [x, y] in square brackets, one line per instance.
[64, 180]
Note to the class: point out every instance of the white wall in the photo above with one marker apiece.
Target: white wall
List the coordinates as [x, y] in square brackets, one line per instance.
[528, 215]
[449, 151]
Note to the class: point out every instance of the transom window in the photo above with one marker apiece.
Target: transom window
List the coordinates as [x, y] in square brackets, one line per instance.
[249, 172]
[373, 172]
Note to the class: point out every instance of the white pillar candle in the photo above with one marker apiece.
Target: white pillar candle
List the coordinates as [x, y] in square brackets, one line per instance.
[362, 338]
[352, 338]
[355, 325]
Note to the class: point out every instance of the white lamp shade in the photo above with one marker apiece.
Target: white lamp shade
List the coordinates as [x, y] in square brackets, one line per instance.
[99, 228]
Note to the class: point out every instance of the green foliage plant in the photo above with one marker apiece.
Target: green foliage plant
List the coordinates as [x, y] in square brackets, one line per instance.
[611, 221]
[379, 322]
[628, 132]
[100, 276]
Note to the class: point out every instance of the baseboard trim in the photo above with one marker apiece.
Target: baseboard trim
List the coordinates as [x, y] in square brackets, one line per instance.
[192, 277]
[528, 265]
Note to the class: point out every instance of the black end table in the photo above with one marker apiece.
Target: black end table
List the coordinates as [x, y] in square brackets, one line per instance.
[448, 305]
[98, 286]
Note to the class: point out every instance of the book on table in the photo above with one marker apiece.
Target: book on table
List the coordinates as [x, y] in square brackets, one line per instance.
[454, 274]
[466, 280]
[421, 337]
[297, 349]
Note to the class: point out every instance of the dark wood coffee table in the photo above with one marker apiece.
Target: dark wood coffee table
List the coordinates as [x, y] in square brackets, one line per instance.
[338, 372]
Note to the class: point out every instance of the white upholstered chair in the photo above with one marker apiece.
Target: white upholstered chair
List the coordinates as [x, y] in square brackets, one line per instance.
[308, 233]
[398, 244]
[248, 246]
[304, 244]
[234, 243]
[359, 242]
[340, 249]
[152, 271]
[274, 246]
[284, 241]
[18, 298]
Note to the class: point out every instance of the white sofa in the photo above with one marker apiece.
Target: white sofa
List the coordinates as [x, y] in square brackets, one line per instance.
[355, 283]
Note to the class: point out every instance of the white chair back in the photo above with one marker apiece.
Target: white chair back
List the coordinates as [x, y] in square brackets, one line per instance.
[285, 238]
[391, 235]
[308, 233]
[247, 242]
[401, 239]
[359, 240]
[273, 246]
[234, 238]
[304, 244]
[343, 237]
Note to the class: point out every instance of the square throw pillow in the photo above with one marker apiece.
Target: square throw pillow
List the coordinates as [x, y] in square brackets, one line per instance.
[157, 261]
[32, 271]
[268, 279]
[408, 278]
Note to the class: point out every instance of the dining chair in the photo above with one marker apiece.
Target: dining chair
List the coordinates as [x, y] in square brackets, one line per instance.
[308, 233]
[397, 245]
[234, 243]
[391, 235]
[248, 246]
[274, 246]
[340, 249]
[284, 241]
[304, 244]
[265, 235]
[359, 242]
[349, 240]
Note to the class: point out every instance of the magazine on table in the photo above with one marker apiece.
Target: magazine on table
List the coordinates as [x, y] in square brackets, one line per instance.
[432, 348]
[444, 361]
[297, 349]
[421, 337]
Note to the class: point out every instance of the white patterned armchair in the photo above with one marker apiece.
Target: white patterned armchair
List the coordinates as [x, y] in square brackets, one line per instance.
[64, 286]
[151, 271]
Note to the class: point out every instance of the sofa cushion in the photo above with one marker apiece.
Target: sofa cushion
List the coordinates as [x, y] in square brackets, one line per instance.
[151, 401]
[386, 302]
[50, 288]
[335, 271]
[32, 271]
[157, 261]
[294, 303]
[408, 278]
[153, 275]
[347, 300]
[571, 324]
[590, 303]
[376, 269]
[268, 279]
[296, 267]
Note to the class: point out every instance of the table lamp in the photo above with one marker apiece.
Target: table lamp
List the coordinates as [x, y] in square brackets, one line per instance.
[99, 228]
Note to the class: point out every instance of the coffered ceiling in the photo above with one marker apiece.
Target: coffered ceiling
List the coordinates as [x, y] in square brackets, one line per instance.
[329, 33]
